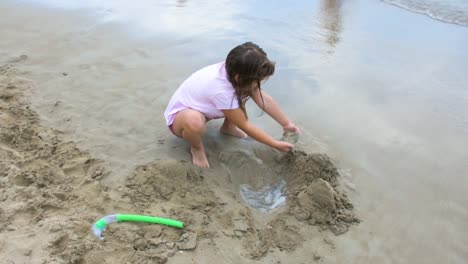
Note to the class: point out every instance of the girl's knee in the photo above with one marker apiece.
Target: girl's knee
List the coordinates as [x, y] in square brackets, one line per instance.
[195, 125]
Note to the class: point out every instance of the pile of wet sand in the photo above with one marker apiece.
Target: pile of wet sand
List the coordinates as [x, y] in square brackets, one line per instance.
[314, 197]
[51, 193]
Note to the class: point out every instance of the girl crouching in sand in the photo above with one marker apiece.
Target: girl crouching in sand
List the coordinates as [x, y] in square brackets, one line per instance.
[221, 90]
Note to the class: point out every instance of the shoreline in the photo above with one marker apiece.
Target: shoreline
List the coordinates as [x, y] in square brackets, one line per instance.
[427, 14]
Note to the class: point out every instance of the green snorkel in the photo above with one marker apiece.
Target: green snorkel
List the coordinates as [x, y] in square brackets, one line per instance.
[101, 224]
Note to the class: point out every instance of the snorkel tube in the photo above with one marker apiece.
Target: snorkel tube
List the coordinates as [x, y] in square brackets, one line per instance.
[102, 223]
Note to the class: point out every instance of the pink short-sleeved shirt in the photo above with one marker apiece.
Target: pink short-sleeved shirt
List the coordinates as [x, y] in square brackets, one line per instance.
[207, 90]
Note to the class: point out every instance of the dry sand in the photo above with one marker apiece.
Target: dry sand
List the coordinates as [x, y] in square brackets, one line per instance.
[52, 192]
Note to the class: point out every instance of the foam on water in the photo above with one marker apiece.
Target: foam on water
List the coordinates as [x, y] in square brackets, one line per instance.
[450, 11]
[267, 198]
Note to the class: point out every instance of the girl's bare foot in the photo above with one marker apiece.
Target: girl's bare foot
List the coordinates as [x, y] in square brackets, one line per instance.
[232, 130]
[199, 157]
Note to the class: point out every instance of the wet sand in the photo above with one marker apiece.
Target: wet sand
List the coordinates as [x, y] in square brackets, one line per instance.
[100, 146]
[52, 192]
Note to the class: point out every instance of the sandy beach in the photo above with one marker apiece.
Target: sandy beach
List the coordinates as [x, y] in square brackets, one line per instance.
[52, 192]
[378, 176]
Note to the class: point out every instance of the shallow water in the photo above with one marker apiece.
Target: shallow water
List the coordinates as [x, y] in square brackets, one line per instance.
[382, 90]
[265, 199]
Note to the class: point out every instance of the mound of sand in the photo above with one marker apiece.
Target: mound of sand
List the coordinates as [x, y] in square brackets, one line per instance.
[312, 183]
[51, 193]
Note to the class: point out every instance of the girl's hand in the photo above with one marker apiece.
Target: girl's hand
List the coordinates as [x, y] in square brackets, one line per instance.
[283, 146]
[292, 127]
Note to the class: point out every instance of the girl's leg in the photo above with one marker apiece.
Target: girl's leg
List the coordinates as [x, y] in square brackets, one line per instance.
[191, 125]
[230, 129]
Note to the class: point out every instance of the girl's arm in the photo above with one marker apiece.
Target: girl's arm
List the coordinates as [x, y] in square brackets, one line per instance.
[271, 107]
[239, 119]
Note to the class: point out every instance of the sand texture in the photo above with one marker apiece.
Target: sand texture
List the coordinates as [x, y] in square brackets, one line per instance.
[52, 192]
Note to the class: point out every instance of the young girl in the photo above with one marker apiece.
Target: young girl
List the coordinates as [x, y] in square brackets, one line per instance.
[221, 90]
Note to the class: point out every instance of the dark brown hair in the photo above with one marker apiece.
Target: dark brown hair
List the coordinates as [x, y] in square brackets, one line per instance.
[251, 65]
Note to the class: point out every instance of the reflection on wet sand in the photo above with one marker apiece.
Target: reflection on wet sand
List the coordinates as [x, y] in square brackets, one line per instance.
[331, 21]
